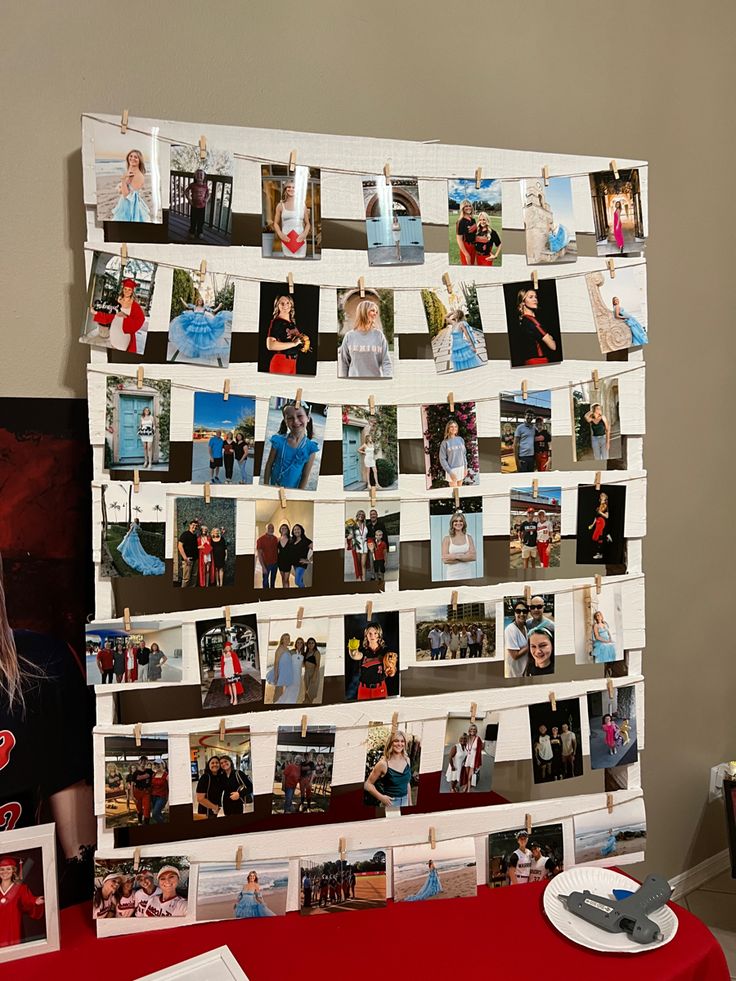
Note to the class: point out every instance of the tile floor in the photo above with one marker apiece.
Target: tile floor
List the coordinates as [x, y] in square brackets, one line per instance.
[715, 904]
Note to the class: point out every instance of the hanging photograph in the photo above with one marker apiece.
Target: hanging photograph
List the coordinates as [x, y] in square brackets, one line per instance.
[291, 219]
[549, 220]
[136, 781]
[529, 635]
[469, 754]
[152, 887]
[222, 773]
[223, 438]
[450, 445]
[526, 432]
[258, 889]
[535, 539]
[29, 916]
[598, 625]
[372, 668]
[365, 333]
[372, 543]
[600, 524]
[119, 298]
[612, 722]
[447, 633]
[596, 421]
[296, 661]
[137, 423]
[455, 329]
[445, 870]
[150, 651]
[518, 858]
[201, 318]
[533, 323]
[619, 308]
[393, 221]
[288, 329]
[456, 539]
[355, 879]
[475, 222]
[618, 212]
[601, 838]
[293, 442]
[127, 175]
[302, 782]
[555, 740]
[229, 664]
[370, 448]
[204, 543]
[133, 530]
[200, 195]
[392, 766]
[284, 548]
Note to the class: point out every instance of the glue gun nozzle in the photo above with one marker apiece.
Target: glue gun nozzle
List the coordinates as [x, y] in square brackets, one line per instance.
[563, 899]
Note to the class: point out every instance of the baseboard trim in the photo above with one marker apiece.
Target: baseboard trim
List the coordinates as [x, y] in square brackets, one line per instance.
[693, 878]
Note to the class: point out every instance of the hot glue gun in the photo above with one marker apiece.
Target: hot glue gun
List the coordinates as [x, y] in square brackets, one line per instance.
[628, 915]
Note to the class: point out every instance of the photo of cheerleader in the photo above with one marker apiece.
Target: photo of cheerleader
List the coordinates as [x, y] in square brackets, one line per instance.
[600, 524]
[533, 323]
[134, 776]
[526, 431]
[455, 329]
[372, 542]
[365, 333]
[393, 221]
[596, 421]
[371, 658]
[119, 298]
[518, 858]
[549, 221]
[22, 903]
[555, 740]
[204, 546]
[302, 782]
[157, 887]
[392, 766]
[256, 891]
[222, 773]
[619, 308]
[475, 222]
[335, 884]
[292, 444]
[469, 754]
[200, 195]
[288, 329]
[445, 870]
[598, 626]
[450, 435]
[612, 722]
[127, 176]
[296, 661]
[201, 318]
[618, 213]
[291, 226]
[226, 650]
[535, 525]
[284, 547]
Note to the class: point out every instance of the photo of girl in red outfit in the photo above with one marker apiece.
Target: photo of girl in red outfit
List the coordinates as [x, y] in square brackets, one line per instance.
[533, 323]
[371, 656]
[22, 908]
[118, 303]
[600, 525]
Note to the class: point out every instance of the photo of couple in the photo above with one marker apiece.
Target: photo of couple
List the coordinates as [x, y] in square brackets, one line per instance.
[229, 665]
[475, 222]
[133, 530]
[365, 333]
[296, 661]
[288, 329]
[455, 633]
[529, 635]
[536, 522]
[119, 299]
[450, 435]
[469, 754]
[353, 880]
[455, 329]
[370, 447]
[222, 773]
[204, 550]
[302, 780]
[526, 431]
[516, 859]
[256, 891]
[284, 548]
[372, 543]
[155, 887]
[151, 651]
[136, 781]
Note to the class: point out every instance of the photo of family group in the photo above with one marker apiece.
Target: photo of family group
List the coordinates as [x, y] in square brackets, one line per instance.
[456, 539]
[529, 635]
[291, 221]
[302, 780]
[23, 905]
[284, 548]
[371, 659]
[601, 838]
[200, 195]
[555, 738]
[516, 859]
[469, 754]
[596, 421]
[372, 544]
[222, 773]
[296, 661]
[127, 175]
[443, 870]
[227, 893]
[393, 221]
[535, 520]
[455, 331]
[450, 434]
[201, 318]
[619, 308]
[533, 323]
[365, 333]
[370, 447]
[618, 212]
[153, 887]
[133, 530]
[204, 542]
[549, 220]
[526, 431]
[612, 721]
[229, 664]
[352, 880]
[288, 329]
[223, 438]
[136, 781]
[600, 524]
[446, 633]
[151, 651]
[292, 445]
[119, 299]
[137, 423]
[475, 222]
[392, 766]
[598, 625]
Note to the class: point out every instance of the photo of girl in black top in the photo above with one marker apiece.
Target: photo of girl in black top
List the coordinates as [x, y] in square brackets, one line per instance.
[533, 323]
[371, 656]
[288, 329]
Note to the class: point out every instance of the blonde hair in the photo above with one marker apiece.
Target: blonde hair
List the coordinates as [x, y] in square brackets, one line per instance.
[451, 422]
[458, 514]
[388, 746]
[141, 164]
[291, 303]
[361, 314]
[484, 216]
[10, 674]
[465, 204]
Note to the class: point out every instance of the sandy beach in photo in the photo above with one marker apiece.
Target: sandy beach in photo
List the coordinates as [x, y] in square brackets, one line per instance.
[587, 850]
[456, 883]
[221, 907]
[108, 193]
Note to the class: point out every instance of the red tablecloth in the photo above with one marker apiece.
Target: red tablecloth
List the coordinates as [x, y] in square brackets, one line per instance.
[503, 933]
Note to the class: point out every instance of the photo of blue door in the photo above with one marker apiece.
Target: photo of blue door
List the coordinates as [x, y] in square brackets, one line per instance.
[130, 448]
[351, 468]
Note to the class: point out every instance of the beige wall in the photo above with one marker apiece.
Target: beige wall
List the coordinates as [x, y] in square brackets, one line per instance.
[632, 79]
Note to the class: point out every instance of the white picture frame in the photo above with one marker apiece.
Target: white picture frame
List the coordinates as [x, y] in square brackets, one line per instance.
[218, 964]
[42, 837]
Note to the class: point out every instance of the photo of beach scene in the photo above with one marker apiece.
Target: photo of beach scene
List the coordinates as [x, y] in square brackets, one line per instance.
[227, 893]
[446, 871]
[603, 839]
[127, 176]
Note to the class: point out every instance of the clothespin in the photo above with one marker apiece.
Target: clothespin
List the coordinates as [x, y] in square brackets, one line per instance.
[282, 497]
[222, 730]
[124, 252]
[202, 148]
[126, 619]
[394, 722]
[136, 480]
[609, 803]
[451, 400]
[207, 494]
[473, 711]
[597, 480]
[298, 398]
[524, 389]
[432, 838]
[373, 495]
[361, 286]
[124, 122]
[226, 611]
[139, 376]
[226, 389]
[448, 282]
[304, 727]
[614, 167]
[137, 733]
[203, 269]
[535, 279]
[553, 701]
[290, 281]
[369, 609]
[535, 489]
[137, 852]
[387, 172]
[372, 404]
[528, 823]
[341, 849]
[454, 599]
[611, 268]
[456, 496]
[545, 175]
[239, 857]
[598, 582]
[292, 161]
[595, 378]
[299, 617]
[609, 686]
[478, 174]
[527, 594]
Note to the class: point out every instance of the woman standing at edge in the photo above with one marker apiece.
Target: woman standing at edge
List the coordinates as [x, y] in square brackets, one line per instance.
[312, 660]
[455, 763]
[146, 432]
[600, 431]
[465, 231]
[393, 773]
[159, 792]
[209, 789]
[301, 554]
[291, 222]
[532, 341]
[283, 555]
[473, 759]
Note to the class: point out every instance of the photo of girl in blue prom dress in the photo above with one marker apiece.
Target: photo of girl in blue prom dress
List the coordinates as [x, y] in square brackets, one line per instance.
[201, 318]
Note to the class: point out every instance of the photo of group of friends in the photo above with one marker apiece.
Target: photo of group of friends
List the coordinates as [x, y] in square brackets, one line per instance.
[372, 545]
[229, 663]
[200, 195]
[529, 635]
[533, 323]
[284, 545]
[455, 329]
[612, 720]
[447, 633]
[450, 434]
[519, 858]
[535, 519]
[291, 225]
[136, 781]
[296, 661]
[353, 880]
[601, 838]
[619, 308]
[223, 438]
[526, 431]
[596, 421]
[598, 626]
[293, 443]
[370, 447]
[119, 298]
[288, 329]
[456, 535]
[222, 773]
[146, 653]
[365, 333]
[555, 739]
[392, 766]
[133, 530]
[371, 659]
[258, 890]
[600, 524]
[549, 220]
[475, 222]
[124, 888]
[201, 318]
[469, 754]
[204, 545]
[439, 870]
[302, 780]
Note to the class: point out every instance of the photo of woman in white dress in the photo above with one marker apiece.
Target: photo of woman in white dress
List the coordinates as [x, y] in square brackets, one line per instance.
[290, 212]
[458, 548]
[146, 432]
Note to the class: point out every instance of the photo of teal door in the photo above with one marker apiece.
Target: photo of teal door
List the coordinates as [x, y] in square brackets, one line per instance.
[351, 469]
[130, 448]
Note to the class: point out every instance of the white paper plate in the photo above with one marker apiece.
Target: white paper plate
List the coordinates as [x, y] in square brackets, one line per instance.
[601, 882]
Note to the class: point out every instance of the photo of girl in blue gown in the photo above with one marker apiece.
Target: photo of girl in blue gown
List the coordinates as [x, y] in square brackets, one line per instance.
[131, 206]
[136, 556]
[639, 334]
[455, 329]
[133, 530]
[201, 319]
[432, 887]
[250, 902]
[603, 649]
[434, 870]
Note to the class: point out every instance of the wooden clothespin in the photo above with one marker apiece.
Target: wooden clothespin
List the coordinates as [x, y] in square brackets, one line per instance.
[595, 377]
[528, 823]
[124, 252]
[136, 480]
[387, 172]
[226, 611]
[451, 401]
[282, 497]
[432, 838]
[454, 599]
[545, 175]
[448, 282]
[304, 727]
[298, 398]
[361, 286]
[553, 701]
[611, 268]
[524, 389]
[207, 493]
[609, 803]
[473, 711]
[341, 849]
[372, 404]
[614, 167]
[597, 480]
[126, 619]
[598, 582]
[535, 489]
[373, 495]
[222, 730]
[203, 269]
[290, 282]
[478, 175]
[136, 859]
[527, 594]
[299, 617]
[203, 148]
[139, 376]
[124, 122]
[239, 857]
[609, 686]
[137, 733]
[369, 610]
[292, 161]
[226, 389]
[394, 722]
[456, 496]
[535, 279]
